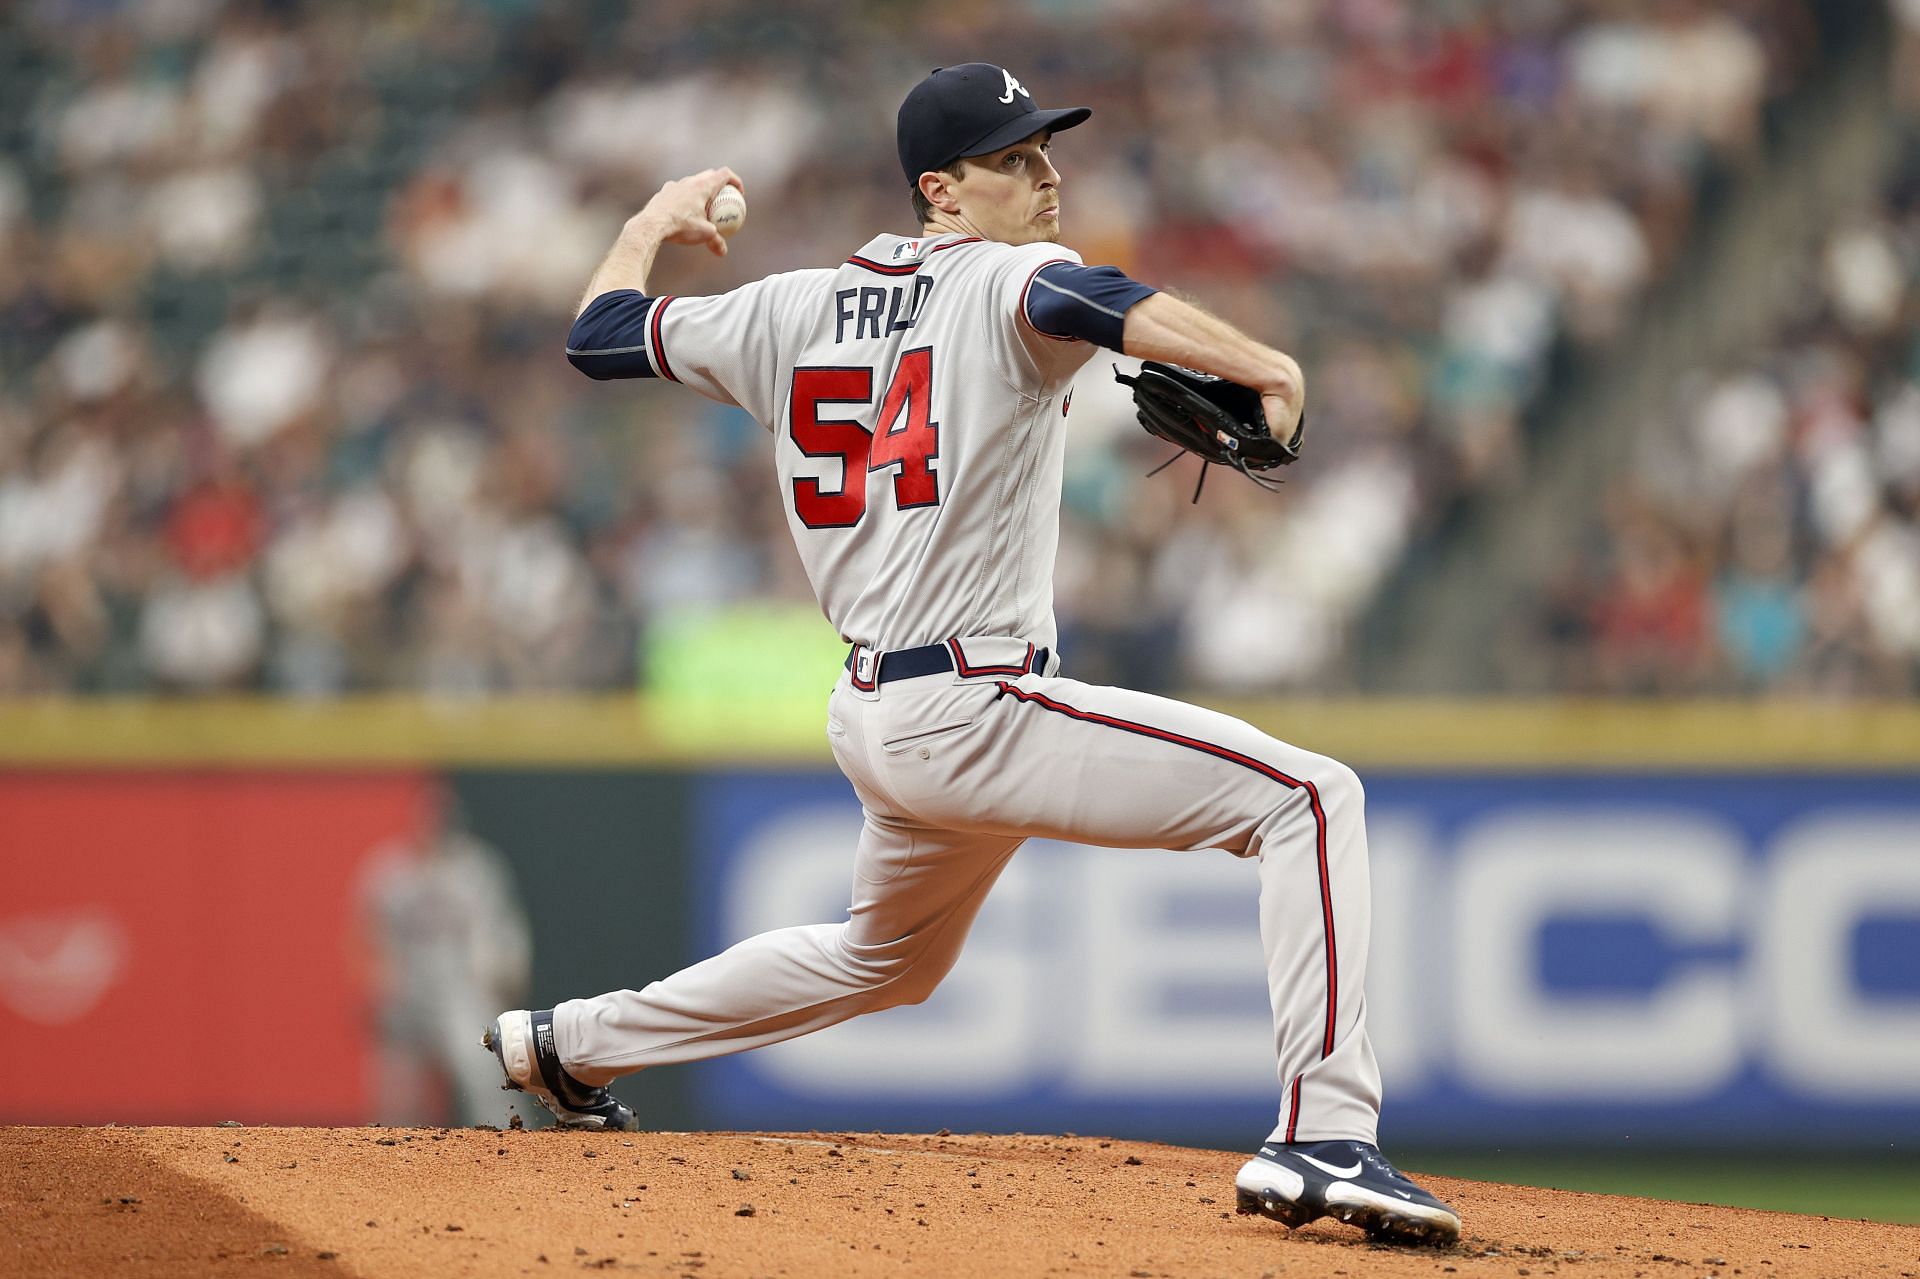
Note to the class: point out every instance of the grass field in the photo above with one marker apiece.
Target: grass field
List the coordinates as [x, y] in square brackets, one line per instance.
[1877, 1187]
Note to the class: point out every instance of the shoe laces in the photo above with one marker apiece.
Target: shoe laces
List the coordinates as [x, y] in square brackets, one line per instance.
[1371, 1157]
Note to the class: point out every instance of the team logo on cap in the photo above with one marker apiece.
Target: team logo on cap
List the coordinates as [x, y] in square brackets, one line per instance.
[1013, 87]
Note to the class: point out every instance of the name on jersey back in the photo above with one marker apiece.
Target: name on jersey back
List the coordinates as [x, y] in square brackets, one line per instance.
[875, 311]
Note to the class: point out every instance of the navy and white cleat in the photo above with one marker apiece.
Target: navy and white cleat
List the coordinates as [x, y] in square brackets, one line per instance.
[1349, 1180]
[523, 1041]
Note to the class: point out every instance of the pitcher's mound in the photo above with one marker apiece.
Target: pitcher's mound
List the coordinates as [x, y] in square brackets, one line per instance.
[369, 1203]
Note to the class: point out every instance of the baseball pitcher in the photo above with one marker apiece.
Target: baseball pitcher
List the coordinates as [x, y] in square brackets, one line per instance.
[917, 396]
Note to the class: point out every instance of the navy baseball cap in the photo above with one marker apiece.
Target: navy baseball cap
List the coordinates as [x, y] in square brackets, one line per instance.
[971, 109]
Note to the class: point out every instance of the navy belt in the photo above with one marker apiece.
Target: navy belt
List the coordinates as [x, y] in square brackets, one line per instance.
[931, 659]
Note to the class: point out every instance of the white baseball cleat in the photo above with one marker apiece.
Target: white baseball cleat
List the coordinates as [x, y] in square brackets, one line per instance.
[1350, 1180]
[523, 1041]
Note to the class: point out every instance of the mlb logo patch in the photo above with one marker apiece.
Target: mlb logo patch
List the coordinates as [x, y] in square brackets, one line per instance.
[906, 249]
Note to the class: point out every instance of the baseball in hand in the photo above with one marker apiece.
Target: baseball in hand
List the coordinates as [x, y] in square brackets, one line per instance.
[727, 210]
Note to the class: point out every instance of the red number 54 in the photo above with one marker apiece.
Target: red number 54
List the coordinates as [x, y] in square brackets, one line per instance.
[902, 435]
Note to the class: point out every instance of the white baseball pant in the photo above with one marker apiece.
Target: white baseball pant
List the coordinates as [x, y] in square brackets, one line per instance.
[955, 770]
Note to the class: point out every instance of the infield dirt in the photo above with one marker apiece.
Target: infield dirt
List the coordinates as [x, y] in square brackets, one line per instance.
[369, 1203]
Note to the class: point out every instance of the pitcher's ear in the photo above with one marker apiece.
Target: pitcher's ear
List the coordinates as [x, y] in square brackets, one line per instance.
[937, 187]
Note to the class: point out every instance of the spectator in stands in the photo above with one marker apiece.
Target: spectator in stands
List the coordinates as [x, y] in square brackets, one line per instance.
[279, 285]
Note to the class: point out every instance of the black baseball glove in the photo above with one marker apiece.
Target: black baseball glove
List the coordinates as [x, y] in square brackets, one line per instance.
[1220, 422]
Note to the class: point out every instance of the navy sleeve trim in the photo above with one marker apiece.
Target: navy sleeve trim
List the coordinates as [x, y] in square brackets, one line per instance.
[611, 339]
[1090, 303]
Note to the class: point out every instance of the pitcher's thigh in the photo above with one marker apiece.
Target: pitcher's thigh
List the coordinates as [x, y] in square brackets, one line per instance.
[912, 880]
[1112, 766]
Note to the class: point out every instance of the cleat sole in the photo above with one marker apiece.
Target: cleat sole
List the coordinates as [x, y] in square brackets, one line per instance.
[1270, 1205]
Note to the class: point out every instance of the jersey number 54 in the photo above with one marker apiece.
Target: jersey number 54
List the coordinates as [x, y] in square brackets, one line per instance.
[902, 435]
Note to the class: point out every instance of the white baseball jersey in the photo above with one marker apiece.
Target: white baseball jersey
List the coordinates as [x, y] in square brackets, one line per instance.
[918, 428]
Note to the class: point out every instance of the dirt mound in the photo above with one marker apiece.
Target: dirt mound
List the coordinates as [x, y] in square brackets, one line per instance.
[377, 1202]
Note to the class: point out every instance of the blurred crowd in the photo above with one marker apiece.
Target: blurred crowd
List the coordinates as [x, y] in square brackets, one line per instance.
[1768, 538]
[284, 286]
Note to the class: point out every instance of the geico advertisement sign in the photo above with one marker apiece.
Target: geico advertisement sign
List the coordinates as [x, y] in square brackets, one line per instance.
[1787, 958]
[1773, 977]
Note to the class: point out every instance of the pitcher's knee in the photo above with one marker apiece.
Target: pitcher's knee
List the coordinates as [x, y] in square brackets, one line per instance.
[917, 983]
[905, 971]
[1325, 788]
[1331, 783]
[1338, 784]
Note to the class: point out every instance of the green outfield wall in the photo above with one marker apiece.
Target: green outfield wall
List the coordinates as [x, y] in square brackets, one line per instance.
[1596, 924]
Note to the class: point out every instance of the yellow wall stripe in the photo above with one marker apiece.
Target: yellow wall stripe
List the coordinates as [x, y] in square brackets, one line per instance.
[385, 731]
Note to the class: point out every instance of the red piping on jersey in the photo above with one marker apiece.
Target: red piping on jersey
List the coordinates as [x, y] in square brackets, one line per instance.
[659, 351]
[1293, 1111]
[1265, 770]
[1028, 288]
[967, 672]
[901, 268]
[906, 268]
